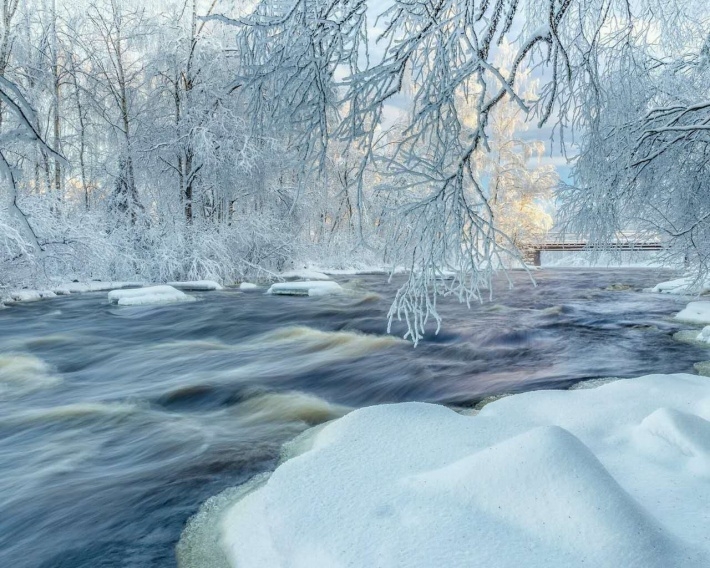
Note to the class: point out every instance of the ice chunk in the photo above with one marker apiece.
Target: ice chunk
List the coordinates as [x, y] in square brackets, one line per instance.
[607, 477]
[197, 285]
[304, 274]
[150, 295]
[695, 312]
[248, 286]
[307, 288]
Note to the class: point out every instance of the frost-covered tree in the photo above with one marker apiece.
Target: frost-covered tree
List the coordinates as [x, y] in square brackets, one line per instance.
[644, 163]
[324, 77]
[17, 234]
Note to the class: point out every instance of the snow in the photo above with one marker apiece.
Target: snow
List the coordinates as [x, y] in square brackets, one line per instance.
[304, 274]
[197, 285]
[25, 295]
[695, 312]
[248, 286]
[605, 477]
[704, 335]
[149, 295]
[676, 286]
[94, 286]
[682, 286]
[307, 288]
[363, 269]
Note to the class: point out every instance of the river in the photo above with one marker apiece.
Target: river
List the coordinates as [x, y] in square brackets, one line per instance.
[117, 423]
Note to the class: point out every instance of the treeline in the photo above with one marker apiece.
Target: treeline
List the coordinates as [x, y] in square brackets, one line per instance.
[167, 175]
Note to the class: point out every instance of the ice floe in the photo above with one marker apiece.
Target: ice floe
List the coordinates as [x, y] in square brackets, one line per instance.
[248, 286]
[149, 295]
[695, 312]
[307, 288]
[606, 477]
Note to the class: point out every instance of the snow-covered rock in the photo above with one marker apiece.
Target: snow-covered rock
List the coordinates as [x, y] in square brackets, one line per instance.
[307, 288]
[704, 335]
[197, 285]
[606, 477]
[695, 312]
[150, 295]
[304, 274]
[25, 295]
[248, 286]
[682, 286]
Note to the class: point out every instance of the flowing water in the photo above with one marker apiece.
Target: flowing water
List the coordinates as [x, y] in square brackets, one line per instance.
[117, 423]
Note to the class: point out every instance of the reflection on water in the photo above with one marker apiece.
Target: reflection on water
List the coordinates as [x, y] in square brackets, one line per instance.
[116, 424]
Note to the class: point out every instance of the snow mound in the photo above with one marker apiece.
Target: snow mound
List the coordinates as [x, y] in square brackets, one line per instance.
[248, 286]
[681, 287]
[695, 312]
[704, 335]
[197, 285]
[606, 477]
[25, 296]
[304, 274]
[307, 288]
[146, 296]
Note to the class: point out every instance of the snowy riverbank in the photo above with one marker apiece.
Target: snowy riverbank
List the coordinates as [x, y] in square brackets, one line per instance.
[605, 477]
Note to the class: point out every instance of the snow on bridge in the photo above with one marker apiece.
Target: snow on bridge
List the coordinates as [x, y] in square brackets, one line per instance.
[625, 241]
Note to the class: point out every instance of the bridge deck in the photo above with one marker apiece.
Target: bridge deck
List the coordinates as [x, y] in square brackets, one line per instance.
[532, 252]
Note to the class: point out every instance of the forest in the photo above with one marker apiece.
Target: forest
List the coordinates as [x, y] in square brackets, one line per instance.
[194, 139]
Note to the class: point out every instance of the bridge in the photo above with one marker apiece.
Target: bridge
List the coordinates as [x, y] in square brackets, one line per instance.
[571, 243]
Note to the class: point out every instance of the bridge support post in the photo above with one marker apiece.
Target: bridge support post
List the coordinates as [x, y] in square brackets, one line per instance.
[536, 257]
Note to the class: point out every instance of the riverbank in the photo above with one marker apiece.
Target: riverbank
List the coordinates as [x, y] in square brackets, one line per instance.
[605, 477]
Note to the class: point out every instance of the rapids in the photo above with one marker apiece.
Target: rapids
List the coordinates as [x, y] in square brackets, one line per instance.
[117, 423]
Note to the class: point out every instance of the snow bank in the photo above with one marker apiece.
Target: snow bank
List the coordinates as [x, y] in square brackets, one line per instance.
[307, 288]
[25, 295]
[16, 296]
[197, 285]
[606, 477]
[304, 274]
[695, 312]
[96, 286]
[150, 295]
[248, 286]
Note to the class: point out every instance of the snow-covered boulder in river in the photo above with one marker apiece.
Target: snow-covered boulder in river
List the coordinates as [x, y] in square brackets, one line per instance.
[146, 296]
[695, 312]
[304, 274]
[307, 288]
[605, 477]
[682, 286]
[248, 286]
